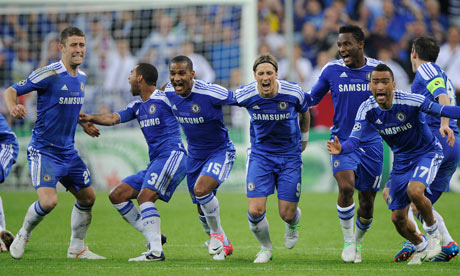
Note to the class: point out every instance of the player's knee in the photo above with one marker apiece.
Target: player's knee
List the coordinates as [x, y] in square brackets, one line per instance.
[48, 204]
[115, 196]
[199, 191]
[346, 191]
[88, 200]
[287, 216]
[256, 212]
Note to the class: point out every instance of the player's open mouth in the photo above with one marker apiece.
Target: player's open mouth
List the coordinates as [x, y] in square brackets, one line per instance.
[265, 86]
[346, 57]
[380, 96]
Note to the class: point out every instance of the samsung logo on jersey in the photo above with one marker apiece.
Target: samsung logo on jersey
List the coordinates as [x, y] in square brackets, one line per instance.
[395, 130]
[270, 117]
[71, 100]
[188, 120]
[351, 87]
[150, 122]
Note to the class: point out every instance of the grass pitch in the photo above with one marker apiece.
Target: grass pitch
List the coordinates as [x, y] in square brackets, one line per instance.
[316, 253]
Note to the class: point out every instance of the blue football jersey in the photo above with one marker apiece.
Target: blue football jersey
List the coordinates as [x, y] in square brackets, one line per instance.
[200, 116]
[5, 130]
[349, 88]
[431, 81]
[403, 126]
[274, 124]
[60, 98]
[158, 124]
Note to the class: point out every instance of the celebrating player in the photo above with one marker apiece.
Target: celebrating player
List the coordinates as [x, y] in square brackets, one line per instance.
[276, 108]
[197, 106]
[51, 152]
[433, 83]
[347, 79]
[398, 117]
[166, 152]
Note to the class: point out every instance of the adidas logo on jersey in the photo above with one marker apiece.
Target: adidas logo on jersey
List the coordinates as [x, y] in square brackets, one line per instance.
[64, 87]
[378, 122]
[256, 107]
[174, 107]
[344, 75]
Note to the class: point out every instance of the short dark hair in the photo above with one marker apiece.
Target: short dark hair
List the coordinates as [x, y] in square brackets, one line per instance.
[266, 58]
[355, 31]
[181, 59]
[427, 48]
[382, 67]
[68, 32]
[149, 72]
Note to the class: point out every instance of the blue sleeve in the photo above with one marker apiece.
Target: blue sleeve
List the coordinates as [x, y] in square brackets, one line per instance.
[320, 89]
[436, 109]
[350, 145]
[128, 114]
[27, 86]
[354, 139]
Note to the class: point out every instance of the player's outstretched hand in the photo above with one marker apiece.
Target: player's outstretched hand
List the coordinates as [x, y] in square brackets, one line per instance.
[450, 134]
[90, 129]
[18, 111]
[334, 147]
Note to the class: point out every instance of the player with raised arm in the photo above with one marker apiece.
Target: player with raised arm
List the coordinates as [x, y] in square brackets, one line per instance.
[276, 108]
[400, 119]
[432, 82]
[348, 80]
[197, 106]
[167, 155]
[8, 154]
[51, 153]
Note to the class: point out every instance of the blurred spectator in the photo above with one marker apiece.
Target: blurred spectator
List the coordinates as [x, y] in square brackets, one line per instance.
[164, 40]
[327, 35]
[272, 12]
[396, 23]
[449, 58]
[50, 54]
[322, 59]
[98, 44]
[309, 42]
[400, 76]
[22, 65]
[378, 38]
[307, 11]
[201, 66]
[435, 22]
[453, 11]
[273, 39]
[301, 72]
[120, 62]
[225, 55]
[5, 77]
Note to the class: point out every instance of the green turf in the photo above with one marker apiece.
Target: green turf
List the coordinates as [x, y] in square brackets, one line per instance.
[317, 252]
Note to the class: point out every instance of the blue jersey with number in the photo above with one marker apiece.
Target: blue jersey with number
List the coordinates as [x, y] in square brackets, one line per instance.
[349, 88]
[274, 121]
[403, 126]
[200, 116]
[431, 81]
[158, 124]
[60, 98]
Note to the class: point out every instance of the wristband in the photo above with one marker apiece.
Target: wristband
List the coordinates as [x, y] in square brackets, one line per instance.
[305, 136]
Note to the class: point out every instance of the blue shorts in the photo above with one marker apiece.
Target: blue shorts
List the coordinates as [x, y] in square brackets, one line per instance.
[218, 166]
[449, 164]
[162, 175]
[366, 162]
[422, 169]
[8, 153]
[267, 172]
[46, 169]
